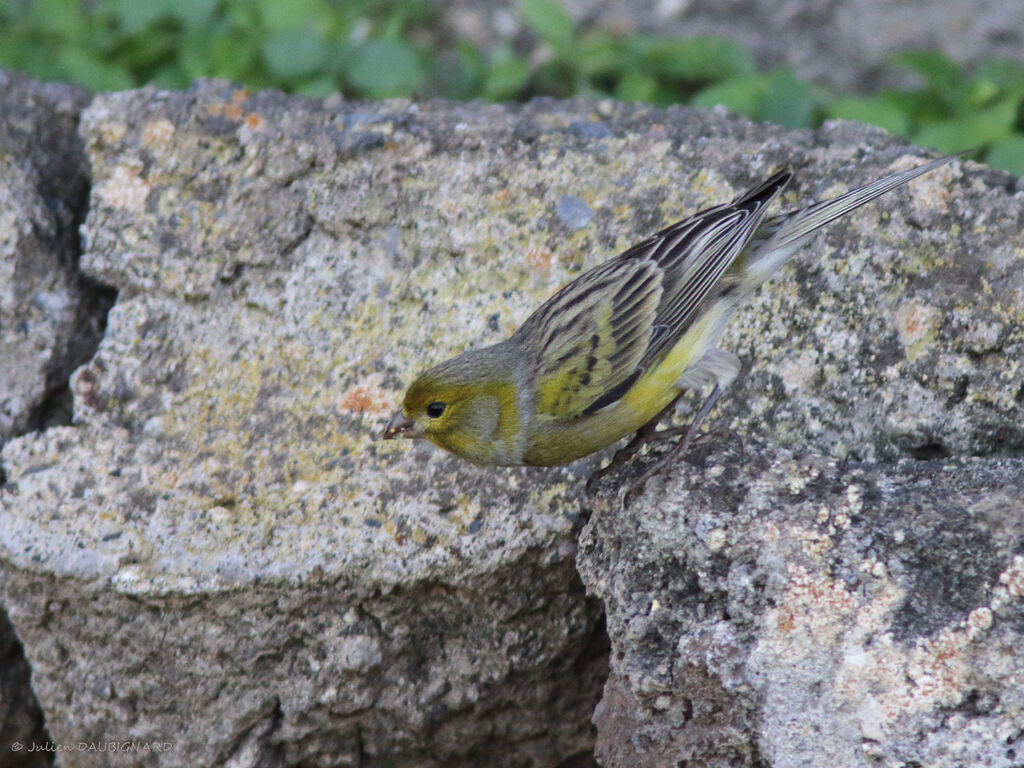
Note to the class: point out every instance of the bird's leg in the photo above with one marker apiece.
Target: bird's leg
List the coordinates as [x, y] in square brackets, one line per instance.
[647, 433]
[722, 433]
[678, 450]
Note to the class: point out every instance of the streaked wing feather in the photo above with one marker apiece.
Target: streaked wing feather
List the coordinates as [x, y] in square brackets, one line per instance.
[591, 335]
[695, 264]
[597, 335]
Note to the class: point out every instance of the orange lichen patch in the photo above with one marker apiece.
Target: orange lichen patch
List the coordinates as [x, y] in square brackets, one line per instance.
[254, 121]
[911, 322]
[915, 320]
[539, 260]
[936, 674]
[916, 323]
[810, 593]
[784, 620]
[239, 95]
[230, 111]
[814, 607]
[365, 399]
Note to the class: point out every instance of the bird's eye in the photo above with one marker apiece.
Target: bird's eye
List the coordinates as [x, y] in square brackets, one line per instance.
[435, 409]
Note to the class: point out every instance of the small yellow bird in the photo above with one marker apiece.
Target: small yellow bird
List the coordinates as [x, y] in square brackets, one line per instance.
[610, 353]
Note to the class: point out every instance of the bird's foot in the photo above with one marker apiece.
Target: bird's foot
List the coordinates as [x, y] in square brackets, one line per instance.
[721, 434]
[627, 452]
[691, 439]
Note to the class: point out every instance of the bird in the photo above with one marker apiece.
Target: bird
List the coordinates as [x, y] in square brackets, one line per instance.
[611, 352]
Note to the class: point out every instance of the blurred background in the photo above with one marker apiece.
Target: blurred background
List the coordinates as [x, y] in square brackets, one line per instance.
[947, 75]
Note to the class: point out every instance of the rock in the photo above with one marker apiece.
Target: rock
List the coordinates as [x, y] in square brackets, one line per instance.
[780, 608]
[22, 731]
[50, 318]
[221, 556]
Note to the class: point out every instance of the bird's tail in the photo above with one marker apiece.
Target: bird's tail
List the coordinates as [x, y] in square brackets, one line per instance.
[780, 237]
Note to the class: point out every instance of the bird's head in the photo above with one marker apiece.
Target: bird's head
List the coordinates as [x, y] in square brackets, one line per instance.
[467, 405]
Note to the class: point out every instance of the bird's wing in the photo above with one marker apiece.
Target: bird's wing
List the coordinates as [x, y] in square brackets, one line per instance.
[696, 252]
[589, 337]
[596, 336]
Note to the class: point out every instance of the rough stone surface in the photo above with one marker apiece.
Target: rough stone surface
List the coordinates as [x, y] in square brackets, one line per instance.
[21, 720]
[776, 608]
[50, 319]
[221, 555]
[842, 43]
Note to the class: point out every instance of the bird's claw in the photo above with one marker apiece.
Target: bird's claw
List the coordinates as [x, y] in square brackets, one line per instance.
[634, 491]
[636, 488]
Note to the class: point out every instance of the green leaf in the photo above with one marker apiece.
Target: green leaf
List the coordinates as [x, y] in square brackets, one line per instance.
[598, 54]
[788, 101]
[193, 13]
[743, 95]
[636, 86]
[294, 53]
[1005, 74]
[58, 17]
[340, 57]
[938, 71]
[170, 76]
[231, 56]
[462, 75]
[142, 54]
[876, 110]
[383, 68]
[208, 53]
[549, 21]
[244, 17]
[84, 67]
[920, 106]
[134, 17]
[28, 56]
[317, 87]
[289, 14]
[506, 77]
[978, 129]
[697, 58]
[1008, 154]
[974, 94]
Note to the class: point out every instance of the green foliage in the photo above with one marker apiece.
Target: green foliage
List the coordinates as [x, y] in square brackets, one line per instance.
[386, 67]
[549, 20]
[1008, 154]
[776, 97]
[952, 109]
[382, 48]
[304, 46]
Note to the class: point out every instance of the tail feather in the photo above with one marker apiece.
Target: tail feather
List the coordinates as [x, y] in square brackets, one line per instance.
[780, 237]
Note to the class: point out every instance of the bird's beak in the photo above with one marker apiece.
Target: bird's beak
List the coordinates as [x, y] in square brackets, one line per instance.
[400, 426]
